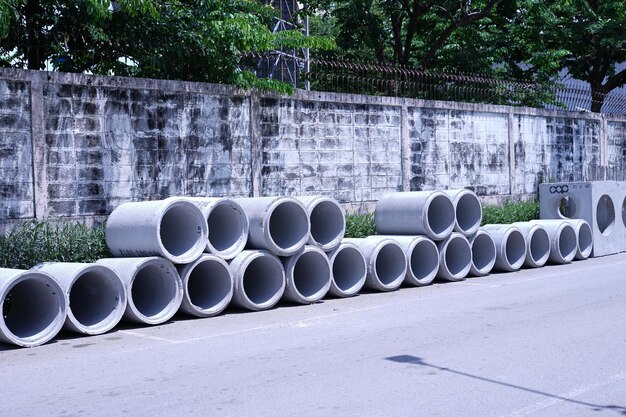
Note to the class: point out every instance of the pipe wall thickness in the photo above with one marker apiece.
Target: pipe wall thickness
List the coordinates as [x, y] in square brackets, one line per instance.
[537, 244]
[467, 209]
[563, 240]
[422, 258]
[307, 275]
[386, 262]
[207, 286]
[349, 270]
[483, 253]
[455, 258]
[259, 280]
[510, 246]
[327, 219]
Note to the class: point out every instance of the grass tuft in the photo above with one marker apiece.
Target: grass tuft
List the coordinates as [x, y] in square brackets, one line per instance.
[511, 212]
[360, 225]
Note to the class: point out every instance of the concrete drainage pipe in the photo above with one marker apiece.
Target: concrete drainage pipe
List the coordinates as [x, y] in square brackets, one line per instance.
[174, 229]
[259, 280]
[349, 270]
[429, 213]
[327, 219]
[510, 246]
[207, 286]
[33, 307]
[537, 243]
[468, 211]
[422, 259]
[307, 275]
[96, 295]
[455, 258]
[483, 253]
[563, 240]
[153, 287]
[277, 224]
[227, 225]
[584, 236]
[386, 262]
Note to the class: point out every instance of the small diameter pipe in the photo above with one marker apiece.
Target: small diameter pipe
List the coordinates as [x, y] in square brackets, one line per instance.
[563, 240]
[307, 275]
[386, 262]
[483, 253]
[33, 307]
[153, 287]
[422, 256]
[429, 213]
[277, 224]
[328, 221]
[584, 236]
[96, 295]
[207, 286]
[259, 280]
[467, 209]
[349, 270]
[173, 228]
[510, 246]
[455, 258]
[537, 243]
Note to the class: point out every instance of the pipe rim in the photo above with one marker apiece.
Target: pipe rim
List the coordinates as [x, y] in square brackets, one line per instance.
[387, 247]
[268, 258]
[537, 235]
[483, 268]
[195, 287]
[192, 248]
[336, 258]
[237, 234]
[420, 249]
[327, 240]
[564, 235]
[585, 240]
[458, 274]
[471, 213]
[438, 230]
[294, 269]
[290, 246]
[516, 234]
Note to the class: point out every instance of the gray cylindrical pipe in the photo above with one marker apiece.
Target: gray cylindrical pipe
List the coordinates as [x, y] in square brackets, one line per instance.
[207, 286]
[467, 209]
[327, 219]
[455, 258]
[174, 229]
[429, 213]
[563, 240]
[277, 224]
[483, 253]
[537, 243]
[422, 258]
[96, 295]
[307, 275]
[584, 235]
[32, 306]
[259, 280]
[386, 262]
[153, 287]
[510, 246]
[349, 270]
[227, 225]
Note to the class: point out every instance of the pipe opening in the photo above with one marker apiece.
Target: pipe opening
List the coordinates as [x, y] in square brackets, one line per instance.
[180, 229]
[94, 296]
[624, 212]
[568, 243]
[349, 269]
[227, 226]
[30, 308]
[483, 252]
[468, 212]
[262, 279]
[440, 214]
[289, 225]
[585, 239]
[515, 250]
[327, 223]
[567, 207]
[390, 262]
[311, 274]
[605, 215]
[209, 284]
[539, 246]
[424, 261]
[153, 290]
[458, 256]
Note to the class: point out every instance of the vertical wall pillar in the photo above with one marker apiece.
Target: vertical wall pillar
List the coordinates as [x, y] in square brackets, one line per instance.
[511, 132]
[255, 144]
[604, 146]
[38, 140]
[405, 149]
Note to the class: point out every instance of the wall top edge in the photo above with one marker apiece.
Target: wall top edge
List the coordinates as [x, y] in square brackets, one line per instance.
[320, 96]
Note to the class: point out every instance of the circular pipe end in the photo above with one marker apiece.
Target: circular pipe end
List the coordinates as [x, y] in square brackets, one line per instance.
[423, 262]
[207, 286]
[182, 231]
[566, 244]
[513, 250]
[307, 275]
[259, 280]
[328, 223]
[439, 216]
[286, 226]
[455, 258]
[349, 270]
[468, 211]
[228, 229]
[585, 240]
[537, 247]
[483, 254]
[387, 266]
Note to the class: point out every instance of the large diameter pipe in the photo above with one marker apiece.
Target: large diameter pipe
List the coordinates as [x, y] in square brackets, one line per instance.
[386, 262]
[96, 295]
[307, 275]
[153, 287]
[173, 228]
[537, 243]
[483, 253]
[422, 259]
[227, 225]
[207, 286]
[467, 209]
[259, 280]
[584, 235]
[349, 270]
[563, 240]
[455, 258]
[277, 224]
[429, 213]
[33, 307]
[510, 246]
[328, 221]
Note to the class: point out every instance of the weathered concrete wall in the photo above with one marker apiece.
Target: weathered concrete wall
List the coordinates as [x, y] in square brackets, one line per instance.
[77, 145]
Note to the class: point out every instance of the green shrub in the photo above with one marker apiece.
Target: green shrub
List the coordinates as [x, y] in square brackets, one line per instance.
[360, 225]
[35, 241]
[510, 212]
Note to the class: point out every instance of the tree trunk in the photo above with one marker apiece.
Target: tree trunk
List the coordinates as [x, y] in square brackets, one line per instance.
[597, 98]
[33, 53]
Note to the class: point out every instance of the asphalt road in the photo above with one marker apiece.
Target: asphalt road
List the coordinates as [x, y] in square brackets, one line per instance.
[546, 342]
